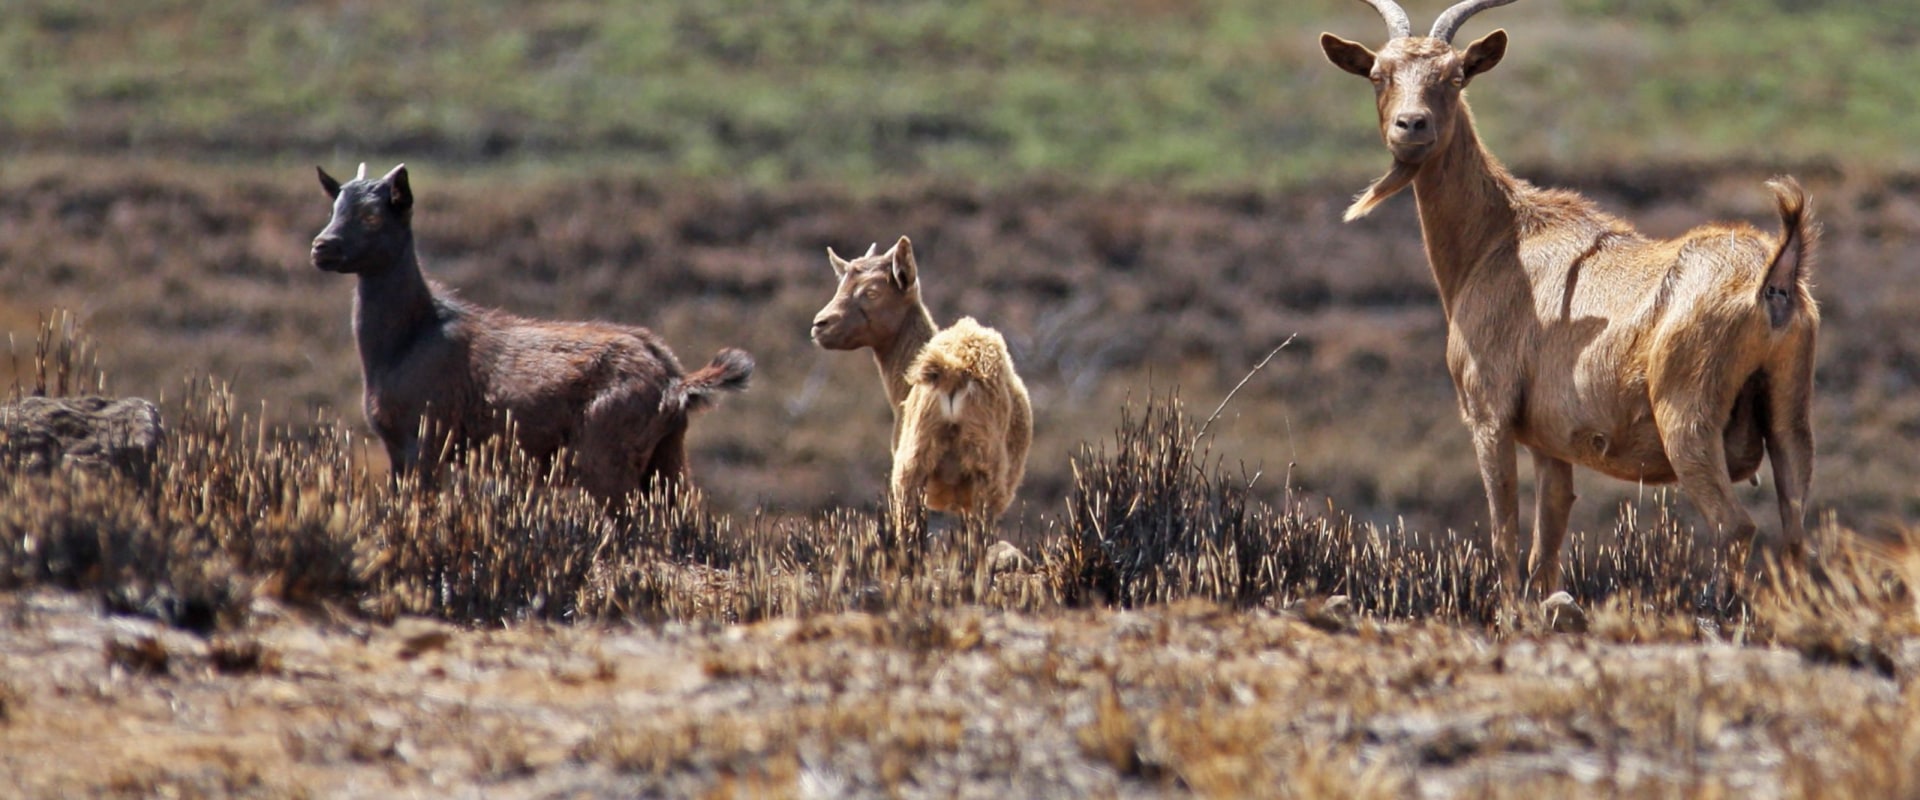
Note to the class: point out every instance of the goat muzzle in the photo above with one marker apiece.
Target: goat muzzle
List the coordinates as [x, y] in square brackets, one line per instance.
[326, 254]
[821, 324]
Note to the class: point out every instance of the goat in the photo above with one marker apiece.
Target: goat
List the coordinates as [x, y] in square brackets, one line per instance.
[877, 305]
[966, 426]
[442, 375]
[1572, 335]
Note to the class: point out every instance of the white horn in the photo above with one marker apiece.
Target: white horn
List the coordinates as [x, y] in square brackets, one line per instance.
[871, 249]
[362, 174]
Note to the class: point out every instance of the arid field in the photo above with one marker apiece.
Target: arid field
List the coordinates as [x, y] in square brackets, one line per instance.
[1224, 581]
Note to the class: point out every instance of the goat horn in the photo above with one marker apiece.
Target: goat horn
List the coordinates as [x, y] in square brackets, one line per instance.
[362, 174]
[871, 249]
[1450, 20]
[1396, 17]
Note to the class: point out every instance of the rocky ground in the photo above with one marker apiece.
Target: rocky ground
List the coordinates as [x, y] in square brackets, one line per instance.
[1183, 699]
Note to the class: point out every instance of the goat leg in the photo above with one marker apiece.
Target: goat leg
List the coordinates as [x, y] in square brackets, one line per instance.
[1494, 446]
[1553, 504]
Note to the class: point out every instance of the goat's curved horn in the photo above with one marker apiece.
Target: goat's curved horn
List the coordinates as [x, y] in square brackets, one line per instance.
[362, 174]
[1450, 20]
[1396, 17]
[871, 249]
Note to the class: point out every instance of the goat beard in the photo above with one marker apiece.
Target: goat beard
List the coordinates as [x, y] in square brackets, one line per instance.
[1382, 188]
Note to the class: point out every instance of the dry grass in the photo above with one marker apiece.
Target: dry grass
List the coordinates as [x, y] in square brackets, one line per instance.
[238, 510]
[241, 509]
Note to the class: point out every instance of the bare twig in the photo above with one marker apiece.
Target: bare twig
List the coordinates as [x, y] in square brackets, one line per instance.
[1236, 390]
[13, 358]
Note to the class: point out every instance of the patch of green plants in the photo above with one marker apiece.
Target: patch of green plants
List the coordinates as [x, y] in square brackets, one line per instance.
[1230, 92]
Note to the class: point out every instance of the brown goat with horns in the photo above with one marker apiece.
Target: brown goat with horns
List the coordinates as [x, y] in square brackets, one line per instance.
[1573, 335]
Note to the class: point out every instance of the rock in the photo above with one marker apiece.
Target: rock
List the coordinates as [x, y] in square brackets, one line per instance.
[90, 434]
[419, 635]
[1333, 615]
[1003, 556]
[144, 654]
[1563, 614]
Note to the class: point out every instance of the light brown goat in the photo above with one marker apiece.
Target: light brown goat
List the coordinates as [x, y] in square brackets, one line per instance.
[1574, 336]
[877, 305]
[965, 428]
[612, 394]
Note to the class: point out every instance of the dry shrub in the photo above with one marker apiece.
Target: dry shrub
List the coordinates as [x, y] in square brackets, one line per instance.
[238, 510]
[64, 361]
[1153, 522]
[1855, 611]
[101, 536]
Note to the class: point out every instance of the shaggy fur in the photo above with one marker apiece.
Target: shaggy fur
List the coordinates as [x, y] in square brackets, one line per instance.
[967, 425]
[1576, 337]
[442, 375]
[877, 305]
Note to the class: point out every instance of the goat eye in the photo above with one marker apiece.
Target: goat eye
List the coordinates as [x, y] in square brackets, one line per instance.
[1459, 81]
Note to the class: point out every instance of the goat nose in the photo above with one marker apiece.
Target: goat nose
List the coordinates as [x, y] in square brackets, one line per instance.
[1411, 121]
[822, 321]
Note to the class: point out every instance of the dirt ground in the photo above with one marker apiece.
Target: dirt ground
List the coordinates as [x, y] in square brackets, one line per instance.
[1174, 700]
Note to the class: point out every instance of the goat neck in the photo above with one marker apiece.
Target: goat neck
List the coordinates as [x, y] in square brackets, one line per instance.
[897, 356]
[390, 309]
[1468, 205]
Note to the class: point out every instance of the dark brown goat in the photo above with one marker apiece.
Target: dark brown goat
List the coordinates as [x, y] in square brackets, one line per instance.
[442, 375]
[1572, 335]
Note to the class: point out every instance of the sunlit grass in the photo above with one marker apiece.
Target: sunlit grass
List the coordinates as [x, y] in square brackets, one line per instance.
[1230, 92]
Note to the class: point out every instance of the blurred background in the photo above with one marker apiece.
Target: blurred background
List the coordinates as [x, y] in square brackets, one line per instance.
[1143, 195]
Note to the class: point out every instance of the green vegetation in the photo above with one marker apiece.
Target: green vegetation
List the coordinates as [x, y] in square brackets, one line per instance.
[1231, 92]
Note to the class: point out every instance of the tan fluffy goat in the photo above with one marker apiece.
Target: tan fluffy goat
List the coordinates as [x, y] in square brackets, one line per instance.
[965, 428]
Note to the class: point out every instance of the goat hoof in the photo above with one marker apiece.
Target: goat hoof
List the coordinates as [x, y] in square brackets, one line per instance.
[1563, 614]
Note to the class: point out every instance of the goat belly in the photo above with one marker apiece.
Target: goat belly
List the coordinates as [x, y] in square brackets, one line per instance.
[1630, 451]
[1632, 454]
[950, 469]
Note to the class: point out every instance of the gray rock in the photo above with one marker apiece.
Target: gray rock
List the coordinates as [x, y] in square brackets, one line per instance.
[1563, 614]
[1003, 556]
[98, 435]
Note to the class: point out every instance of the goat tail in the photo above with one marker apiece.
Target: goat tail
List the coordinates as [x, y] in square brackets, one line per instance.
[729, 371]
[1785, 293]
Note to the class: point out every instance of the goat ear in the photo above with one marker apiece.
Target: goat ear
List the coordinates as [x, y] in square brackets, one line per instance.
[1351, 56]
[1485, 52]
[398, 189]
[905, 271]
[839, 264]
[328, 183]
